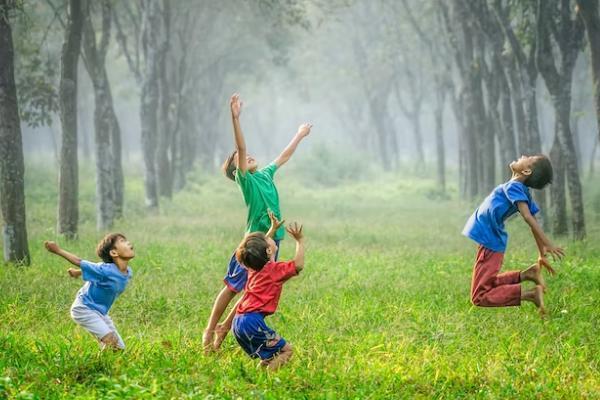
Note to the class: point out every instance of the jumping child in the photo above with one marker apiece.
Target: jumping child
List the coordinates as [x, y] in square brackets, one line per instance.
[489, 288]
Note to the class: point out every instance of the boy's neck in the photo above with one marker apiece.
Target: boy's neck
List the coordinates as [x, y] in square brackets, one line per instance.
[517, 176]
[121, 264]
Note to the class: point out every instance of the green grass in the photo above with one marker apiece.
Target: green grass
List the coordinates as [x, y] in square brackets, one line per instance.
[381, 311]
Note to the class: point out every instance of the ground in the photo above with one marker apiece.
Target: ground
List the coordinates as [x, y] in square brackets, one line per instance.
[381, 310]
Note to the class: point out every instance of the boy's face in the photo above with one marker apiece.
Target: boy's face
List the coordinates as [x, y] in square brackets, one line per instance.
[251, 163]
[123, 249]
[523, 165]
[272, 249]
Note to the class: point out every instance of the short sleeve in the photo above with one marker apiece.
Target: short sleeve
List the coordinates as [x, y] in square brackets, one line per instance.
[91, 272]
[270, 170]
[282, 271]
[516, 192]
[533, 208]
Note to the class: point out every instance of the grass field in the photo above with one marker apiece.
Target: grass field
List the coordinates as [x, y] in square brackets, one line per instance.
[381, 310]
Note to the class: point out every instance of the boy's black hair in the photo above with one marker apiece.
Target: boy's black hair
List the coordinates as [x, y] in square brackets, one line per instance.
[229, 166]
[106, 245]
[252, 252]
[541, 173]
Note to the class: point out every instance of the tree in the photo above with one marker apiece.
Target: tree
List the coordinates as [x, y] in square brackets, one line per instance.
[12, 168]
[588, 10]
[68, 208]
[109, 173]
[555, 22]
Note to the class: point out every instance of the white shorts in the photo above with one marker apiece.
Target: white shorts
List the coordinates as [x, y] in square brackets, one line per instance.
[95, 323]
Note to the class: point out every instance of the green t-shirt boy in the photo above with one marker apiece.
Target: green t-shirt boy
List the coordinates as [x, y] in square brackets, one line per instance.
[260, 195]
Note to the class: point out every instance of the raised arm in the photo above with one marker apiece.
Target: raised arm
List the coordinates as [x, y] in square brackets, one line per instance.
[295, 231]
[240, 144]
[543, 243]
[52, 247]
[303, 131]
[275, 224]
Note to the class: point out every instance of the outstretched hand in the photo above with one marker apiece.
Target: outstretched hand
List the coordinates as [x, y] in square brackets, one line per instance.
[236, 105]
[304, 130]
[556, 252]
[295, 231]
[52, 247]
[275, 223]
[544, 263]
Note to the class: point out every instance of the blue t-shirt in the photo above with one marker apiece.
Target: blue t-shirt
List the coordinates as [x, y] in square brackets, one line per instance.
[104, 282]
[486, 225]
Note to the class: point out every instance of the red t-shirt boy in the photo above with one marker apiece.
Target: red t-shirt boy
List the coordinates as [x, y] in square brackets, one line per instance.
[261, 295]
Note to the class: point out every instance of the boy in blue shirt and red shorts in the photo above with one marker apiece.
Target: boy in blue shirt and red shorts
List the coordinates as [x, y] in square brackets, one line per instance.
[261, 295]
[104, 282]
[489, 287]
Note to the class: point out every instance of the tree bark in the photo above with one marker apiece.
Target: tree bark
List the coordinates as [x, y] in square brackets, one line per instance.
[12, 166]
[149, 100]
[109, 175]
[68, 208]
[557, 190]
[588, 9]
[568, 35]
[164, 134]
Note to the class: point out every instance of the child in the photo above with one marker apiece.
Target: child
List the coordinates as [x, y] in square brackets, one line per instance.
[263, 289]
[104, 282]
[260, 195]
[486, 227]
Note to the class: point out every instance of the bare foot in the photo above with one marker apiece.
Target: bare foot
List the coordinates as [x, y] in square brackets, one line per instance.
[534, 274]
[538, 300]
[207, 339]
[74, 273]
[536, 296]
[221, 332]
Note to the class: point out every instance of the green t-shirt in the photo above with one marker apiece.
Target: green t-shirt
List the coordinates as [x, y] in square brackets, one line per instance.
[260, 195]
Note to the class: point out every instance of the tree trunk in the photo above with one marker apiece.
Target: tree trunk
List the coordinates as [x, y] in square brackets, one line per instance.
[557, 189]
[164, 140]
[12, 166]
[570, 158]
[593, 157]
[109, 173]
[439, 137]
[588, 9]
[94, 65]
[149, 100]
[506, 139]
[568, 35]
[68, 208]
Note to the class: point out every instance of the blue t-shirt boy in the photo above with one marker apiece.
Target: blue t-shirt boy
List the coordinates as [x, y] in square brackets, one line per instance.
[104, 282]
[486, 225]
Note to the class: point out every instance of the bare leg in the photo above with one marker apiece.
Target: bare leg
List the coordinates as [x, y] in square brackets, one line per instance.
[534, 274]
[536, 296]
[223, 329]
[281, 358]
[221, 302]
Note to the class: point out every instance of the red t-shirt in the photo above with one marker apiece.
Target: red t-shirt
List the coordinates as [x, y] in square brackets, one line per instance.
[263, 287]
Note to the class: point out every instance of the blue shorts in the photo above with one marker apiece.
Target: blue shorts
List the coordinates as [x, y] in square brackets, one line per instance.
[255, 337]
[237, 275]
